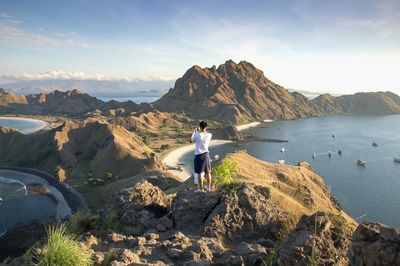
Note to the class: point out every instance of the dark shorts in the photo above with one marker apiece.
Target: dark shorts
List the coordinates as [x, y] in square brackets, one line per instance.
[202, 163]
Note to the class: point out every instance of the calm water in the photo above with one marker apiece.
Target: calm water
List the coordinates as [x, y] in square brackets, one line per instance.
[373, 190]
[25, 126]
[136, 97]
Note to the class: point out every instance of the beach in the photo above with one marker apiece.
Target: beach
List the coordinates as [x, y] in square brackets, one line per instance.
[39, 124]
[252, 124]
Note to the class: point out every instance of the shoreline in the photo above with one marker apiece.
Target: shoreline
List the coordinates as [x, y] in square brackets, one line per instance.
[252, 124]
[41, 124]
[173, 159]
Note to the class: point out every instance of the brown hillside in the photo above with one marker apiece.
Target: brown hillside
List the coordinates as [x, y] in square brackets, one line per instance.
[81, 149]
[234, 92]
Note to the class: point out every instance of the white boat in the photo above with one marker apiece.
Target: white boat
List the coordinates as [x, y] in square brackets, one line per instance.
[283, 149]
[361, 162]
[329, 154]
[314, 155]
[396, 159]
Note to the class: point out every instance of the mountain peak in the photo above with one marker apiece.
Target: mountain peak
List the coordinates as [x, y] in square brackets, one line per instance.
[2, 91]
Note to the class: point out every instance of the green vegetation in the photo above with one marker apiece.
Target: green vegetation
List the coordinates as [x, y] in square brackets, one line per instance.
[313, 257]
[111, 221]
[165, 147]
[57, 169]
[224, 172]
[109, 176]
[62, 249]
[95, 181]
[146, 138]
[272, 258]
[76, 221]
[109, 257]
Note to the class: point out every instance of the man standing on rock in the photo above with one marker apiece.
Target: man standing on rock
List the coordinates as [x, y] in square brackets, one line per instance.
[202, 164]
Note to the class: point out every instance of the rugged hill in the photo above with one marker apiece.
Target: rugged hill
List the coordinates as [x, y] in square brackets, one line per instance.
[58, 102]
[234, 92]
[360, 103]
[80, 149]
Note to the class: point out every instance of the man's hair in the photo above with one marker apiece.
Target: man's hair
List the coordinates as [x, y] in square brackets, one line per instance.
[203, 124]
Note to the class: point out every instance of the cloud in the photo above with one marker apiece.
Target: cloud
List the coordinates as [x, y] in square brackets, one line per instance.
[66, 75]
[11, 30]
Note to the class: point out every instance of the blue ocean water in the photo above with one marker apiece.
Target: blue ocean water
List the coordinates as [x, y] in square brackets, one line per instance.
[25, 126]
[373, 190]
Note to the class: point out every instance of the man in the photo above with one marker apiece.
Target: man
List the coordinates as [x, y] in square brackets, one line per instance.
[202, 164]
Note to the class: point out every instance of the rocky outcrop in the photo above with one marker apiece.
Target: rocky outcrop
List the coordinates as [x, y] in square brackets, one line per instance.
[190, 210]
[375, 244]
[142, 207]
[236, 93]
[318, 239]
[227, 133]
[247, 215]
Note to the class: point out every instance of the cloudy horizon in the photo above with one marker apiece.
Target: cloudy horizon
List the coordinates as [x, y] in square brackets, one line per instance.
[338, 47]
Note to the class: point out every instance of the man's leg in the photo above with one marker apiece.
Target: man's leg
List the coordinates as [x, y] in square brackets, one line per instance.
[208, 178]
[201, 176]
[196, 180]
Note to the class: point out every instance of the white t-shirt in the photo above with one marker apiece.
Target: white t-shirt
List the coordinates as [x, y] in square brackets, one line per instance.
[202, 140]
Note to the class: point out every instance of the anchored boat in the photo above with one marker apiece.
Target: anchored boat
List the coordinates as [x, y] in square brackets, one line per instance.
[397, 159]
[361, 162]
[375, 144]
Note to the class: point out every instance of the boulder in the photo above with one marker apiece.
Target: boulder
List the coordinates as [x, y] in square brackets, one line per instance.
[246, 215]
[316, 240]
[190, 210]
[375, 244]
[140, 207]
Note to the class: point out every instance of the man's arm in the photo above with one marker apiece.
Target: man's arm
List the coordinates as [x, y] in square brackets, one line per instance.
[194, 135]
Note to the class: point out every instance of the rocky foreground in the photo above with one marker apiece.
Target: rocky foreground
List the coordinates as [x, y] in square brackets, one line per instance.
[243, 227]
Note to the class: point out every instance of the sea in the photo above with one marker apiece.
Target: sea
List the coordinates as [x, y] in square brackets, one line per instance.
[370, 192]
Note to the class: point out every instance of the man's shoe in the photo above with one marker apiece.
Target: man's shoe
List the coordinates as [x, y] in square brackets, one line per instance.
[198, 190]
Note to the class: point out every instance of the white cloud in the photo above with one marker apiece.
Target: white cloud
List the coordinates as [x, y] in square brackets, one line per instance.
[67, 75]
[11, 31]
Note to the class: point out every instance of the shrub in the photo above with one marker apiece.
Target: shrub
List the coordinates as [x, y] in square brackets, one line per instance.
[62, 249]
[224, 172]
[77, 221]
[165, 147]
[111, 221]
[57, 169]
[109, 176]
[146, 139]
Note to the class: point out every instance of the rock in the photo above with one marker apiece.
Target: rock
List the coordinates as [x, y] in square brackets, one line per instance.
[190, 210]
[166, 222]
[174, 253]
[208, 248]
[251, 254]
[375, 244]
[140, 241]
[315, 234]
[161, 228]
[246, 215]
[114, 237]
[227, 133]
[140, 207]
[98, 258]
[125, 257]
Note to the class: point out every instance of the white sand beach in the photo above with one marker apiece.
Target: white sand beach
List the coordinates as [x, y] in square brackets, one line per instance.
[173, 159]
[40, 124]
[252, 124]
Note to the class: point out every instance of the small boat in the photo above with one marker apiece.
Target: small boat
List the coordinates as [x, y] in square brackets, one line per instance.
[329, 154]
[283, 149]
[396, 159]
[361, 162]
[333, 136]
[281, 161]
[375, 144]
[339, 152]
[314, 155]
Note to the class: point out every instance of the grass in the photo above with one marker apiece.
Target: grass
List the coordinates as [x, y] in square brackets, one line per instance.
[62, 249]
[272, 258]
[111, 221]
[74, 224]
[231, 188]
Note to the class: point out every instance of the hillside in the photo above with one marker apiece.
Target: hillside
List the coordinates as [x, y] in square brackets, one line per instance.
[80, 149]
[360, 103]
[234, 92]
[72, 102]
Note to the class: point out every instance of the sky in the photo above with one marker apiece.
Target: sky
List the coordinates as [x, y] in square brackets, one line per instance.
[340, 46]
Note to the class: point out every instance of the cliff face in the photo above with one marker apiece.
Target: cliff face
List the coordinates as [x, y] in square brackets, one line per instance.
[360, 103]
[234, 92]
[79, 148]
